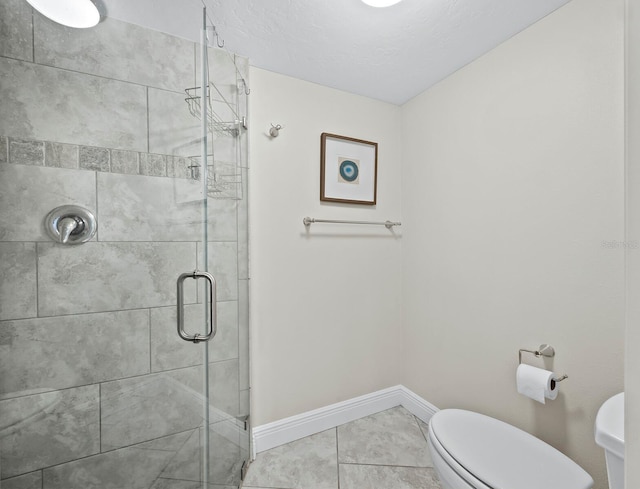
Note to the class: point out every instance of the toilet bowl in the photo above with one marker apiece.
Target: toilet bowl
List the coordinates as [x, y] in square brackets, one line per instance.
[609, 430]
[473, 451]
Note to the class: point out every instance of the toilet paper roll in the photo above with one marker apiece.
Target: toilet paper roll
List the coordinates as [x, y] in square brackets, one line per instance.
[536, 383]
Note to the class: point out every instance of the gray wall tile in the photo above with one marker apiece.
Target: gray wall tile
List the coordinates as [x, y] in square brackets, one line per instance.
[140, 208]
[16, 40]
[130, 468]
[144, 408]
[47, 429]
[61, 155]
[95, 277]
[170, 443]
[244, 155]
[88, 110]
[4, 149]
[173, 130]
[31, 192]
[100, 112]
[225, 149]
[242, 63]
[140, 409]
[223, 220]
[178, 167]
[224, 181]
[223, 386]
[226, 111]
[243, 230]
[227, 458]
[125, 162]
[243, 332]
[18, 285]
[224, 76]
[186, 464]
[244, 402]
[223, 264]
[153, 165]
[225, 461]
[118, 50]
[27, 481]
[168, 351]
[162, 483]
[72, 350]
[26, 152]
[92, 158]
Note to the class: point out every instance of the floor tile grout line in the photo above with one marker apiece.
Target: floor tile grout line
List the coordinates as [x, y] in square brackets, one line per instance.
[337, 457]
[424, 435]
[388, 465]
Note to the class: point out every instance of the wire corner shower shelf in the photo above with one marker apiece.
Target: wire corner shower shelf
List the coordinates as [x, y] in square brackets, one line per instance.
[216, 124]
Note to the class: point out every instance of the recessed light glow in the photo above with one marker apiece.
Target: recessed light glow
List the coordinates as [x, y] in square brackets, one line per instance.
[72, 13]
[381, 3]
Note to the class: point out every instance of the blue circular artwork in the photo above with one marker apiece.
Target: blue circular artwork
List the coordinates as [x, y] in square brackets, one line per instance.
[349, 170]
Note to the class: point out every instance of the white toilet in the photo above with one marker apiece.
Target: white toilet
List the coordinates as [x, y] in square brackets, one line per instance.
[473, 451]
[610, 436]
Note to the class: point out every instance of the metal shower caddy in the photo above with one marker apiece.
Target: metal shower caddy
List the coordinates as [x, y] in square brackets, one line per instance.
[215, 122]
[224, 179]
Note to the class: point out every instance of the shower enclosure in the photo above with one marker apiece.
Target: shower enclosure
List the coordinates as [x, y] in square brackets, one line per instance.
[100, 386]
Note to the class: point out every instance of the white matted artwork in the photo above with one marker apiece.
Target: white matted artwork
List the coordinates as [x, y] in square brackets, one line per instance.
[348, 169]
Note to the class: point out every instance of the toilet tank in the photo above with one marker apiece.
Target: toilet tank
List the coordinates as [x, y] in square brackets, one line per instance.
[609, 430]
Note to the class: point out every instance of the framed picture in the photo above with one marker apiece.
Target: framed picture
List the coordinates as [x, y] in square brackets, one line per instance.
[348, 170]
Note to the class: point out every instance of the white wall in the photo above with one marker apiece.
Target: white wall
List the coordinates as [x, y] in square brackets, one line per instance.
[513, 178]
[632, 372]
[326, 304]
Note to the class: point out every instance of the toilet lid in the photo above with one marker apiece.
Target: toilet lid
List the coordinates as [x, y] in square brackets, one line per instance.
[502, 456]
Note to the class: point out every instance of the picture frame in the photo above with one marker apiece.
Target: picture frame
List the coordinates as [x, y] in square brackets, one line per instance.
[348, 170]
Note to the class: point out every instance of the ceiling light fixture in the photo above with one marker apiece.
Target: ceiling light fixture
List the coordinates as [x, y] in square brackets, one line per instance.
[381, 3]
[72, 13]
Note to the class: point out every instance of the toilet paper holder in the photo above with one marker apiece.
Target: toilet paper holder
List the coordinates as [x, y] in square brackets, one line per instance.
[543, 351]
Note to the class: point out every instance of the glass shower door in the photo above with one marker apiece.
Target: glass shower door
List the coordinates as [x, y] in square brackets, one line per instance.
[97, 389]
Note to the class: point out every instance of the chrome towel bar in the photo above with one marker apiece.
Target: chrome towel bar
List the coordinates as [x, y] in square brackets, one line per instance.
[307, 221]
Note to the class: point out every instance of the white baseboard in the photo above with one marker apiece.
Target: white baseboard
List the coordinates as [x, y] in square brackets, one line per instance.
[416, 405]
[286, 430]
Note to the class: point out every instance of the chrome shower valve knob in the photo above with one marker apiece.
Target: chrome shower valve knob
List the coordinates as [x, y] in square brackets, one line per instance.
[70, 224]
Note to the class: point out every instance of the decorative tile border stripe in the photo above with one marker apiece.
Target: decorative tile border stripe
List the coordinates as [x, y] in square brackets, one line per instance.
[20, 151]
[225, 181]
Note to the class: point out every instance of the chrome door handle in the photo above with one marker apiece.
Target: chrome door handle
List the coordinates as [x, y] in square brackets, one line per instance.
[212, 323]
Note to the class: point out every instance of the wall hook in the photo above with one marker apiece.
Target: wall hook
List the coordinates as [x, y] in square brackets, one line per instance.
[247, 90]
[212, 28]
[274, 132]
[215, 33]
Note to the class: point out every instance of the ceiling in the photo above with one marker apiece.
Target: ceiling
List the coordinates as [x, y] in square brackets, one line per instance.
[390, 54]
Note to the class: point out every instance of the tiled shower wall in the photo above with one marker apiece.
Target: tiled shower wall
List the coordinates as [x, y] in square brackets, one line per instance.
[96, 390]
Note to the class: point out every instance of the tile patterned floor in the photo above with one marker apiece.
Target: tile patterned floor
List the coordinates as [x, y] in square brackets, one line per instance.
[382, 451]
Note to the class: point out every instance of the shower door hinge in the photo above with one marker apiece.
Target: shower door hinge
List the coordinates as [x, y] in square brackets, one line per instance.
[244, 420]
